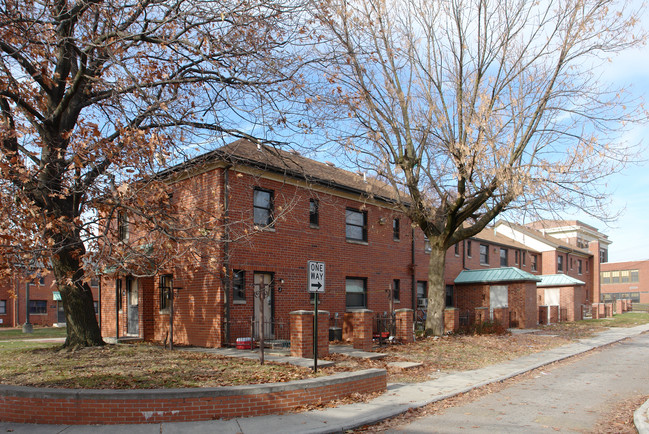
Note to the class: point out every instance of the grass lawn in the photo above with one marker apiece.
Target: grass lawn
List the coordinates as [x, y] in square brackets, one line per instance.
[133, 366]
[39, 333]
[628, 319]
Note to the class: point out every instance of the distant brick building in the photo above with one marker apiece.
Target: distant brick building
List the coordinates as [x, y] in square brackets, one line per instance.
[625, 280]
[39, 297]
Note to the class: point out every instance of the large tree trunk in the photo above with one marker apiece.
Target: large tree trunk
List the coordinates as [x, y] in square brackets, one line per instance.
[82, 327]
[436, 290]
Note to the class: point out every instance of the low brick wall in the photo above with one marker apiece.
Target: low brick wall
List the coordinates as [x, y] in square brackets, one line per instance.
[108, 407]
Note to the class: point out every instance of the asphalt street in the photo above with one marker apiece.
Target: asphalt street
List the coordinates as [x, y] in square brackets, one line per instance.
[569, 397]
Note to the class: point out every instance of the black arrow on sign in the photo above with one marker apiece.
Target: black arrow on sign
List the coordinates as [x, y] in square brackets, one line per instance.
[317, 285]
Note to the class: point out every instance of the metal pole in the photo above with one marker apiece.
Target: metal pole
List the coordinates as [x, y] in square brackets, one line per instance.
[315, 335]
[171, 318]
[118, 287]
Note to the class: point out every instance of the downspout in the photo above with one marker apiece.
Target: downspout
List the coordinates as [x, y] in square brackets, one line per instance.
[413, 285]
[98, 303]
[464, 254]
[227, 282]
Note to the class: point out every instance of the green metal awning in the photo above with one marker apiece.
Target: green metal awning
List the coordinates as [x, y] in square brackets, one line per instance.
[56, 295]
[495, 275]
[559, 280]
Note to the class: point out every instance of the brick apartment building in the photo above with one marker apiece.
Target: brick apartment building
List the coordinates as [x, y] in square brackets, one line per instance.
[625, 280]
[295, 210]
[39, 297]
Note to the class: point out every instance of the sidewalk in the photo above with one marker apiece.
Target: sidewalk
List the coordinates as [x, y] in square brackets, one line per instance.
[397, 399]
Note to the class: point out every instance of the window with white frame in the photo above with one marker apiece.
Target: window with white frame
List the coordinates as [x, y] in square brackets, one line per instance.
[263, 207]
[356, 293]
[484, 254]
[355, 225]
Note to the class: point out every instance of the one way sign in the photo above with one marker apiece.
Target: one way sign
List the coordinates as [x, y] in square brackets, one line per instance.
[316, 276]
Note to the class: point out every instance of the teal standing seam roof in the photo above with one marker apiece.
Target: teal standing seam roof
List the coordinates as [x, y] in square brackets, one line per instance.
[494, 275]
[559, 280]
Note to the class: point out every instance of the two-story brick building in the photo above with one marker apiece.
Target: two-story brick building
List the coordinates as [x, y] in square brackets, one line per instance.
[293, 210]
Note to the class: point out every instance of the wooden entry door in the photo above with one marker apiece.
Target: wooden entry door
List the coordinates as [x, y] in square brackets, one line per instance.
[132, 307]
[263, 285]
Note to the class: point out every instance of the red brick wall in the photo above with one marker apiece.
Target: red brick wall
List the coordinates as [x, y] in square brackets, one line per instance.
[82, 407]
[521, 300]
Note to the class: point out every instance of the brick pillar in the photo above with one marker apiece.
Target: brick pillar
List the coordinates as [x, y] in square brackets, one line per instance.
[348, 327]
[302, 333]
[363, 329]
[451, 319]
[595, 311]
[609, 310]
[481, 315]
[501, 315]
[630, 306]
[554, 314]
[619, 306]
[405, 332]
[543, 315]
[602, 310]
[323, 333]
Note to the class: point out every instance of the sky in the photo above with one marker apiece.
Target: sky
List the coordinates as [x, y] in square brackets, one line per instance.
[630, 188]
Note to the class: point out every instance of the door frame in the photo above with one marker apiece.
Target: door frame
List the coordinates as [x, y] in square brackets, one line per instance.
[132, 284]
[269, 301]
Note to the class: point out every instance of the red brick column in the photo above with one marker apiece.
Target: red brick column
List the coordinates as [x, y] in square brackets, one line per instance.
[609, 310]
[405, 332]
[543, 315]
[595, 311]
[451, 319]
[501, 315]
[348, 327]
[630, 306]
[619, 306]
[481, 315]
[302, 333]
[363, 329]
[323, 334]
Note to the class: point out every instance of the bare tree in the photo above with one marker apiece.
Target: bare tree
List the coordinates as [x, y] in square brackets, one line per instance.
[96, 95]
[471, 108]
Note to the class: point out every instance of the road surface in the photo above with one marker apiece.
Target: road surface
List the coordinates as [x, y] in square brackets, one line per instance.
[570, 397]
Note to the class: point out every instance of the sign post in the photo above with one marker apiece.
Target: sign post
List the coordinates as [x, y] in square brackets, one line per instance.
[316, 285]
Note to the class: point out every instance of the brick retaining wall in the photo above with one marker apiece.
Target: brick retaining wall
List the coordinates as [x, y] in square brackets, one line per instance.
[82, 407]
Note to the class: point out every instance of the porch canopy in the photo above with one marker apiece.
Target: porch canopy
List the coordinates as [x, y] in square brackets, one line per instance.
[549, 280]
[495, 275]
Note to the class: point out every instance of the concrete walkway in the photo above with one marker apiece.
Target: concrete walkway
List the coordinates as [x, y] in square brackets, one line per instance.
[397, 399]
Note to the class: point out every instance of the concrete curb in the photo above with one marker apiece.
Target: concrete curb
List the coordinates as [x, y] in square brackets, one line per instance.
[641, 419]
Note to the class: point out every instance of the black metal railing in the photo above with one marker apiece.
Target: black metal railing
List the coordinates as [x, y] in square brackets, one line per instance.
[276, 333]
